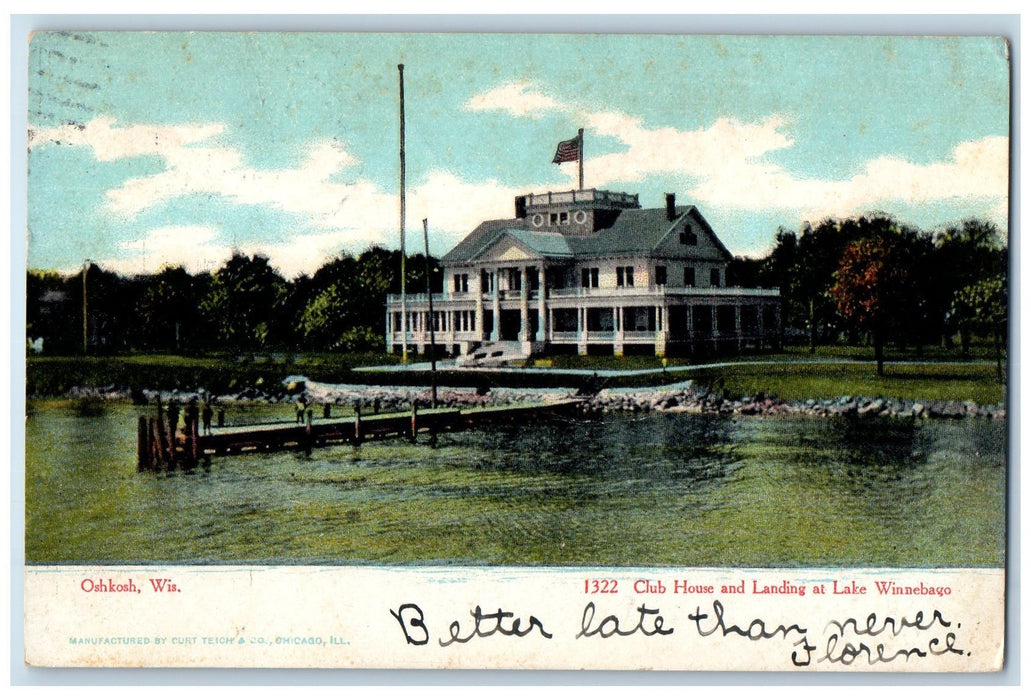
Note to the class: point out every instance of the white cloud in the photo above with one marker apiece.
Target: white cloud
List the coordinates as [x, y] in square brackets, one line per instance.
[727, 164]
[516, 99]
[111, 143]
[697, 154]
[191, 247]
[977, 169]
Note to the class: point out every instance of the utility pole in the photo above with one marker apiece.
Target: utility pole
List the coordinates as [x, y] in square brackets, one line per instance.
[429, 295]
[85, 316]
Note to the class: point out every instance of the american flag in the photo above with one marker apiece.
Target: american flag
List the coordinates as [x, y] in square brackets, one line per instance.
[567, 150]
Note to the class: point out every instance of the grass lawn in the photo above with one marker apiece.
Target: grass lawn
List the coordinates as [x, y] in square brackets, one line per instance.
[949, 379]
[801, 381]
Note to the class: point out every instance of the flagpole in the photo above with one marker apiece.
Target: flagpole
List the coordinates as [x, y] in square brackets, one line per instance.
[404, 302]
[580, 156]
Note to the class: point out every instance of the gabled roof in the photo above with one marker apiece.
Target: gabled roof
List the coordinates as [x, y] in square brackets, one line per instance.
[474, 242]
[538, 244]
[634, 231]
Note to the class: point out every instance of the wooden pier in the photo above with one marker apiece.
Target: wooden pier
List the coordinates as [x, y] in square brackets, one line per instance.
[156, 450]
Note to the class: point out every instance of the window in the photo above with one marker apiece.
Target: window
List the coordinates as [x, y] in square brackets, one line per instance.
[563, 217]
[714, 277]
[660, 275]
[589, 277]
[461, 283]
[688, 237]
[689, 277]
[553, 218]
[625, 276]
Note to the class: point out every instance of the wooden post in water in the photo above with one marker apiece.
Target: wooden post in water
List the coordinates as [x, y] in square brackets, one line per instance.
[166, 448]
[415, 416]
[357, 424]
[194, 440]
[307, 435]
[142, 444]
[156, 451]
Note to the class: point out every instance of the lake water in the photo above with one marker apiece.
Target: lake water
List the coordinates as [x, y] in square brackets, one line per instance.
[671, 489]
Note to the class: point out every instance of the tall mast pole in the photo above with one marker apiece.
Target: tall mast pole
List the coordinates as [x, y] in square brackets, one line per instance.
[404, 301]
[85, 315]
[429, 295]
[580, 158]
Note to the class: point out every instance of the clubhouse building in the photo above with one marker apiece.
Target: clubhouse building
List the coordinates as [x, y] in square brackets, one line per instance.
[588, 271]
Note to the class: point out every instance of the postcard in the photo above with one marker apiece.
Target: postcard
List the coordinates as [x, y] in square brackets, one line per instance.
[517, 351]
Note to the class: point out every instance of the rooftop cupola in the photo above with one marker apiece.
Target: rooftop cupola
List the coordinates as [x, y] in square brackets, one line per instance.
[573, 212]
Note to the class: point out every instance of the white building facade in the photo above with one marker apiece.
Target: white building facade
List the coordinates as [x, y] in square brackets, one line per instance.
[589, 271]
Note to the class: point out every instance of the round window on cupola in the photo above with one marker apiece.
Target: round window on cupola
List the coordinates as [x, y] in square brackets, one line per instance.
[580, 217]
[538, 220]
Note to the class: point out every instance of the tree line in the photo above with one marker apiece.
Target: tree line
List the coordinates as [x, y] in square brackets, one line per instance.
[871, 280]
[245, 305]
[862, 280]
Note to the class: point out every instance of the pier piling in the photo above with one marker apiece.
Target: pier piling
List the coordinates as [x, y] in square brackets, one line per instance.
[158, 448]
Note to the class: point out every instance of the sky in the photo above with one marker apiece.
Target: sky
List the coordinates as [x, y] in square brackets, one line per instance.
[178, 148]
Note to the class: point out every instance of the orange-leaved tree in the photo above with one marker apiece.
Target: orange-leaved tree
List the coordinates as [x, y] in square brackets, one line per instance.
[871, 288]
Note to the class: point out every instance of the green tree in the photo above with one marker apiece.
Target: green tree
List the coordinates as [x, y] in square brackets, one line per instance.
[964, 255]
[245, 304]
[168, 310]
[817, 256]
[983, 307]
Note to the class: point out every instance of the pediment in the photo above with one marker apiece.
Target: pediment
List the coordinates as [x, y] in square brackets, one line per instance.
[507, 249]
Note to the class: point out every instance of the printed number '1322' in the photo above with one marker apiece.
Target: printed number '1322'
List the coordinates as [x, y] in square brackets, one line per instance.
[605, 585]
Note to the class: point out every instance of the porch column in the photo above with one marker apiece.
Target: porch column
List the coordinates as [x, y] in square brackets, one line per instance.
[581, 327]
[617, 330]
[661, 329]
[690, 325]
[495, 331]
[542, 315]
[524, 306]
[737, 324]
[478, 326]
[715, 327]
[761, 313]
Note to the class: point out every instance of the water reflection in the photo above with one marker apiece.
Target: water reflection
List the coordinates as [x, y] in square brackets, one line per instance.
[877, 465]
[621, 489]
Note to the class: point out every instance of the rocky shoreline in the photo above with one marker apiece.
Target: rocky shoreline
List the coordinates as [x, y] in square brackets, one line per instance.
[682, 398]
